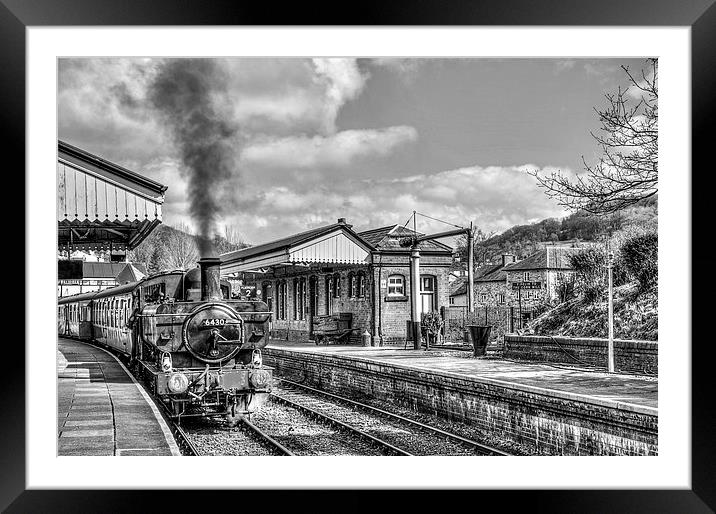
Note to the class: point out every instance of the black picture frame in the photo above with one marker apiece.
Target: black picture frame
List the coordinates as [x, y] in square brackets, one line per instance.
[700, 15]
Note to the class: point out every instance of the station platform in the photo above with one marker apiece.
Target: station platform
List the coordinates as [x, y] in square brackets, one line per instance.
[621, 391]
[102, 410]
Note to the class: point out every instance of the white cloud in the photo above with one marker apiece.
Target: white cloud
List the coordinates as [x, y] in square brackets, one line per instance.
[343, 81]
[494, 197]
[336, 150]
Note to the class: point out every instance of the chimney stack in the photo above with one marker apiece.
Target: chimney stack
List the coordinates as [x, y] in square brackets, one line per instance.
[210, 270]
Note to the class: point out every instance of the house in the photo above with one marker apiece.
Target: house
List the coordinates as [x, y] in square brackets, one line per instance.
[536, 279]
[489, 285]
[530, 282]
[333, 269]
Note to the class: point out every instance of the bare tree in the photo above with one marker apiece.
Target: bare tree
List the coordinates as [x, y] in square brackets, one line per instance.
[627, 172]
[479, 237]
[180, 248]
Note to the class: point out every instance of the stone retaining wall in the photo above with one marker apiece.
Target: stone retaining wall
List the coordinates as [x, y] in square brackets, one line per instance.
[550, 422]
[629, 356]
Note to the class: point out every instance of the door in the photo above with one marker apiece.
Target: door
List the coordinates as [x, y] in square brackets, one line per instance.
[427, 293]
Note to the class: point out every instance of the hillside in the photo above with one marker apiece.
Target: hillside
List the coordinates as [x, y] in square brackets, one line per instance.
[523, 240]
[636, 316]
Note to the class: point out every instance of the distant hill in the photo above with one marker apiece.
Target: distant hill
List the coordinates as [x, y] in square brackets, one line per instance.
[523, 240]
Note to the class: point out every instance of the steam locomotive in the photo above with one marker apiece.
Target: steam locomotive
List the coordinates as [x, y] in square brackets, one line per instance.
[198, 350]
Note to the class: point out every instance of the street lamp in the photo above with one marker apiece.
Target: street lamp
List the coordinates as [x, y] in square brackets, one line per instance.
[610, 264]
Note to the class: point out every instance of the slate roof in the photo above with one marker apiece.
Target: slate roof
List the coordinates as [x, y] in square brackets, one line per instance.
[458, 287]
[546, 258]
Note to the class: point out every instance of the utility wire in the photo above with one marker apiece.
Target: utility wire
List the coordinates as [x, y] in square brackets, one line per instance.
[439, 220]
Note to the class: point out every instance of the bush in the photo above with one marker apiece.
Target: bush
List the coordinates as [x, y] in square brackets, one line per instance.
[590, 266]
[639, 256]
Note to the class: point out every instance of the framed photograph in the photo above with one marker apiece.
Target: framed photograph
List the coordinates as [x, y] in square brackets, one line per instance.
[265, 133]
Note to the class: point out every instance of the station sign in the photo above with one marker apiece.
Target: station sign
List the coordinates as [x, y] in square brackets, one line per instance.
[526, 285]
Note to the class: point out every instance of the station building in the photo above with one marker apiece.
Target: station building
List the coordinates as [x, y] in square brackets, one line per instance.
[333, 270]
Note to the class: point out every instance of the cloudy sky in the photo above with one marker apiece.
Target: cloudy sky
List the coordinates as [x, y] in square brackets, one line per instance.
[371, 140]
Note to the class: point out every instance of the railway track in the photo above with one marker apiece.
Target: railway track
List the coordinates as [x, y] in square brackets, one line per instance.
[384, 446]
[267, 440]
[411, 436]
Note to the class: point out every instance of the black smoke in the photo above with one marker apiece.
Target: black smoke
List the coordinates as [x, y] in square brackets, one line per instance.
[191, 96]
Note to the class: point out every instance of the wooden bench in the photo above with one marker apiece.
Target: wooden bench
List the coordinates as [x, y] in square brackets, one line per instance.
[332, 327]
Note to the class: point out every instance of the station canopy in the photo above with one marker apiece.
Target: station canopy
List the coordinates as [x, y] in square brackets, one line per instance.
[102, 206]
[330, 244]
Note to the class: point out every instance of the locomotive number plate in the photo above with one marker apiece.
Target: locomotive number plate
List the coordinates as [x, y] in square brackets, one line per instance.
[213, 322]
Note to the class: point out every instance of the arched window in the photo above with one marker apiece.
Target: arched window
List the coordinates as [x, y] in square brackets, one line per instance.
[329, 293]
[361, 284]
[336, 286]
[281, 299]
[396, 285]
[352, 286]
[295, 298]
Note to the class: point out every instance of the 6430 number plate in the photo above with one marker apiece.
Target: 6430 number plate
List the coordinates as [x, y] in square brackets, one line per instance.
[213, 322]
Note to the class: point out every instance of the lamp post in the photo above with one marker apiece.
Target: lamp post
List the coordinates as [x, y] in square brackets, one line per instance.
[610, 264]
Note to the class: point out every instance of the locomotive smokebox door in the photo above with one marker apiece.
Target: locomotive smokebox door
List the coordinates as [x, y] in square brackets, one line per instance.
[213, 333]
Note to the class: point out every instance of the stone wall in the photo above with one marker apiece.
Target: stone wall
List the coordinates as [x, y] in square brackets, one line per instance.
[629, 356]
[552, 423]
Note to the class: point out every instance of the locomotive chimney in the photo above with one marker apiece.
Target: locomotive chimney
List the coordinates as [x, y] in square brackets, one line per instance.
[210, 269]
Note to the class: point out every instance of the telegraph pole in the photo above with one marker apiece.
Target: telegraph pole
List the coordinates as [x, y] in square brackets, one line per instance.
[610, 364]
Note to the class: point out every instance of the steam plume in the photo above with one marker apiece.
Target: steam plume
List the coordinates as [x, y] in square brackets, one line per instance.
[188, 93]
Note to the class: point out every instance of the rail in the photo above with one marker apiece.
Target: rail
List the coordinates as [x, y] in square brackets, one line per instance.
[394, 450]
[270, 441]
[480, 447]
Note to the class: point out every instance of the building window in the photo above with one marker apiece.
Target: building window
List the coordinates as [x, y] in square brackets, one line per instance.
[526, 276]
[336, 286]
[329, 293]
[299, 298]
[352, 286]
[304, 297]
[396, 285]
[361, 285]
[500, 298]
[483, 297]
[281, 299]
[452, 300]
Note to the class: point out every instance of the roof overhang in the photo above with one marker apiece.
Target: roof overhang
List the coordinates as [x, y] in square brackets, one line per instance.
[101, 205]
[339, 246]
